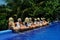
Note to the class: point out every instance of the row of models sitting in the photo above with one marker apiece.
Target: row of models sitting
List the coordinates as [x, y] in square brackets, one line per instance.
[27, 24]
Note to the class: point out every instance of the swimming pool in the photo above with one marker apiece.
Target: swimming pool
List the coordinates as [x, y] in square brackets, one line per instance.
[50, 32]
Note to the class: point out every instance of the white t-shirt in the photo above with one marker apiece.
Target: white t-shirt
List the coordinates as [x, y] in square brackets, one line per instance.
[35, 22]
[41, 21]
[18, 25]
[29, 24]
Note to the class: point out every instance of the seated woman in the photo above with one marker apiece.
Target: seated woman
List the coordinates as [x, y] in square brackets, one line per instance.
[17, 24]
[45, 22]
[35, 21]
[41, 23]
[12, 25]
[32, 25]
[26, 21]
[38, 22]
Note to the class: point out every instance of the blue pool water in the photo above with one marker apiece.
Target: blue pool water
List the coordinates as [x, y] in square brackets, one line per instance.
[50, 32]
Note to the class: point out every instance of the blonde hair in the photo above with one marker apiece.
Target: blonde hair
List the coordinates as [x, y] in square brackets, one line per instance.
[35, 19]
[26, 19]
[11, 22]
[11, 19]
[38, 18]
[30, 19]
[19, 19]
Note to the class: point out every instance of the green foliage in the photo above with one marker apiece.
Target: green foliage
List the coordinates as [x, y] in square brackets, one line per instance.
[32, 7]
[3, 21]
[51, 9]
